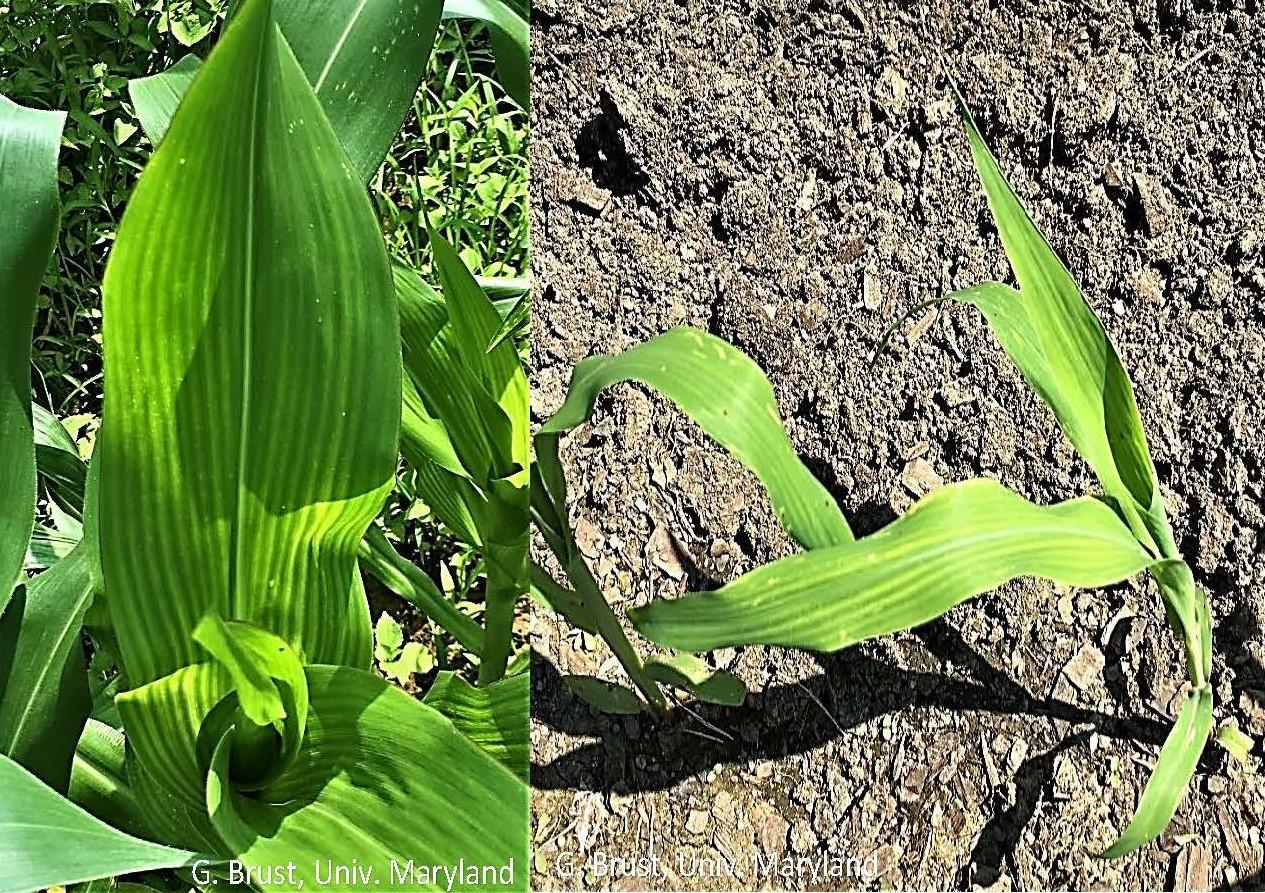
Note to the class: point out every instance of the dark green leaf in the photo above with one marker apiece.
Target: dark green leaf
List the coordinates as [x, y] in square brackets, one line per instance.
[29, 142]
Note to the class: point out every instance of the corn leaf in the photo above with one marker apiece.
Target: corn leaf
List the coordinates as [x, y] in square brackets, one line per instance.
[99, 780]
[495, 717]
[43, 684]
[156, 97]
[364, 59]
[47, 547]
[237, 413]
[29, 142]
[58, 463]
[609, 697]
[511, 41]
[566, 602]
[514, 323]
[267, 675]
[685, 671]
[1053, 336]
[480, 398]
[727, 395]
[955, 543]
[47, 841]
[1171, 777]
[362, 787]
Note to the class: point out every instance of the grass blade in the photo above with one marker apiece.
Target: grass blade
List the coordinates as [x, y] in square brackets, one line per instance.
[959, 541]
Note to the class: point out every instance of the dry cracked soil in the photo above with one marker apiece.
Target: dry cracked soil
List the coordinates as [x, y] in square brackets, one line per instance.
[791, 176]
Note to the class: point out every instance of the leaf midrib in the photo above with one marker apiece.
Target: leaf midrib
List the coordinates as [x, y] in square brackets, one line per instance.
[337, 49]
[248, 315]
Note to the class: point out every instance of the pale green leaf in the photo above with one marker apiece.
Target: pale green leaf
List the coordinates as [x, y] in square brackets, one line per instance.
[727, 395]
[514, 324]
[156, 97]
[57, 460]
[364, 59]
[1236, 742]
[384, 777]
[388, 637]
[1050, 331]
[1169, 780]
[685, 671]
[955, 543]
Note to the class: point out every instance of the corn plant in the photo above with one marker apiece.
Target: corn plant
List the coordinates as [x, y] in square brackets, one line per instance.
[254, 395]
[955, 543]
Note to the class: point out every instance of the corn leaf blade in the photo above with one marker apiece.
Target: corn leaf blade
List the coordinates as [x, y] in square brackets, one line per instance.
[43, 684]
[690, 673]
[213, 348]
[728, 396]
[364, 60]
[1171, 777]
[495, 717]
[1053, 335]
[957, 542]
[29, 143]
[58, 463]
[157, 96]
[47, 841]
[609, 697]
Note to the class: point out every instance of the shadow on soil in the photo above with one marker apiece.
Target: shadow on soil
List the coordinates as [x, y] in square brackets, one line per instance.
[640, 754]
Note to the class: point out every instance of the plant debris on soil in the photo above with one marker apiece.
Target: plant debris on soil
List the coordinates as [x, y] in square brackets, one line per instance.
[792, 177]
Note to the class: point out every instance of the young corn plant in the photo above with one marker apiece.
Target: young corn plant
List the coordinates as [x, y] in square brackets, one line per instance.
[955, 543]
[251, 433]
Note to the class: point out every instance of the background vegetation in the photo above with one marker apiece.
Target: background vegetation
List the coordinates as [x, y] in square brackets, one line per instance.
[461, 159]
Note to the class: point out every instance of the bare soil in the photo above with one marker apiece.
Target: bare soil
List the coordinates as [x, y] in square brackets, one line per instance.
[791, 176]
